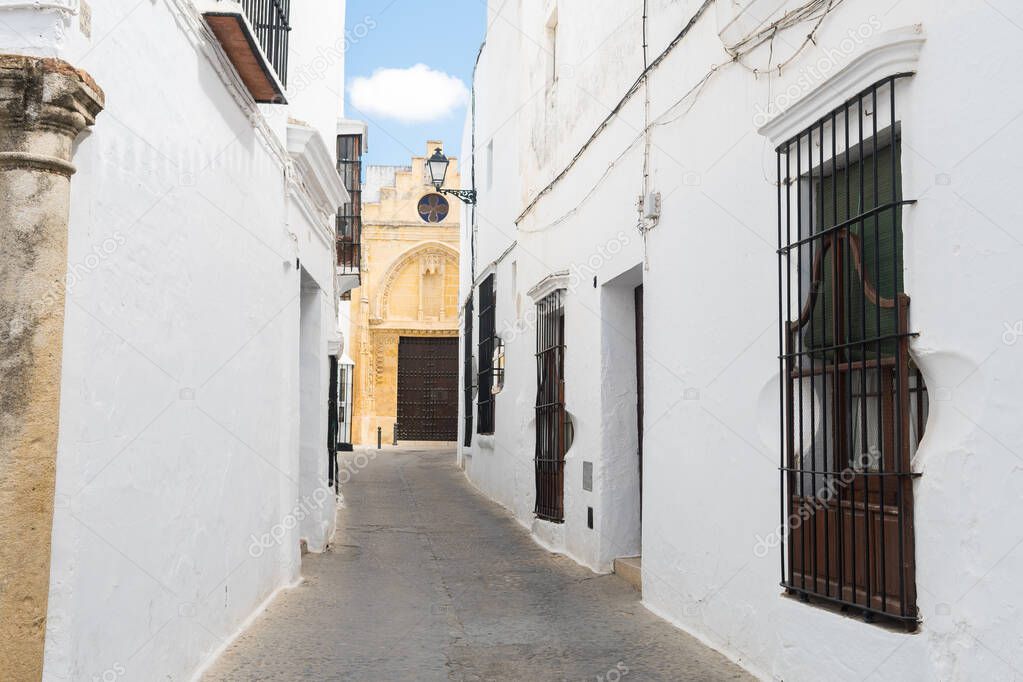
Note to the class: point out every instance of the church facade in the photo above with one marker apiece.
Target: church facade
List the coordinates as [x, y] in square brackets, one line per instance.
[404, 328]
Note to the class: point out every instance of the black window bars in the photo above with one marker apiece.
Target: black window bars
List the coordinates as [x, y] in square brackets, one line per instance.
[270, 20]
[468, 376]
[853, 405]
[349, 219]
[488, 330]
[552, 428]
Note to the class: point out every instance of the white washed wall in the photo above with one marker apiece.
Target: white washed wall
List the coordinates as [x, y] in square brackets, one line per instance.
[711, 441]
[179, 470]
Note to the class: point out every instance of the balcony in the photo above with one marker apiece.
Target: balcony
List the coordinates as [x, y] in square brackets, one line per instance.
[349, 251]
[350, 147]
[254, 36]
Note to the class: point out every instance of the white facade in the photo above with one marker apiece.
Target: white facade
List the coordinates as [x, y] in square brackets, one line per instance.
[202, 304]
[558, 182]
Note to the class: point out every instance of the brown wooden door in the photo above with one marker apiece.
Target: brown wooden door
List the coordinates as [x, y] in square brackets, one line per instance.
[427, 389]
[639, 388]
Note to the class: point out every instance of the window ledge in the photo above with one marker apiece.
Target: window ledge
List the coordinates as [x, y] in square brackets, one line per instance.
[890, 53]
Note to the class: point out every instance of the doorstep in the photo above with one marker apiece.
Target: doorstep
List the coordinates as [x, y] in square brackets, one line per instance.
[630, 569]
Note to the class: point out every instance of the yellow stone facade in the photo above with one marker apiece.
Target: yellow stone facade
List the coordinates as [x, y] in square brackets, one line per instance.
[409, 288]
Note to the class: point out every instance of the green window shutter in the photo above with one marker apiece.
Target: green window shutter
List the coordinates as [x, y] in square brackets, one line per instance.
[880, 256]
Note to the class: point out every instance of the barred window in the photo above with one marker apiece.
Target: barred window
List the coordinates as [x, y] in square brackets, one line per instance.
[468, 375]
[553, 427]
[349, 219]
[853, 404]
[488, 330]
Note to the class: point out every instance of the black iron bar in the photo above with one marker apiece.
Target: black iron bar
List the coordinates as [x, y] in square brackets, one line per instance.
[857, 344]
[849, 455]
[884, 446]
[902, 464]
[848, 223]
[838, 333]
[789, 441]
[800, 344]
[781, 364]
[864, 418]
[822, 220]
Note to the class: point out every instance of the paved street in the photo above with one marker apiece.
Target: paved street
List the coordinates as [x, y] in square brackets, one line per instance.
[428, 580]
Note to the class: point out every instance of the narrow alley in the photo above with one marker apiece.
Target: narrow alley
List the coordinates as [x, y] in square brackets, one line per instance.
[429, 580]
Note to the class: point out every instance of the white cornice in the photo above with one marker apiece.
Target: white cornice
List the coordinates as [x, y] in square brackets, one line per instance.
[350, 126]
[549, 284]
[65, 6]
[315, 167]
[890, 53]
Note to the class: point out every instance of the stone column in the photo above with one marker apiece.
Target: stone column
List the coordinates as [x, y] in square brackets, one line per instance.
[44, 105]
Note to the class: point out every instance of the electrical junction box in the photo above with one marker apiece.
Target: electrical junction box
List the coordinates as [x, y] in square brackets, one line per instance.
[652, 206]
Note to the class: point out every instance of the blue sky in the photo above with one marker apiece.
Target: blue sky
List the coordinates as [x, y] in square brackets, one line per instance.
[417, 96]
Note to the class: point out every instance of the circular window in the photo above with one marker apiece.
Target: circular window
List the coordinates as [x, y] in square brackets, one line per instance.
[433, 208]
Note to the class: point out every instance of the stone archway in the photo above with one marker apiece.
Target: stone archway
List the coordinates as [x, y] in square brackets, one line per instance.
[432, 267]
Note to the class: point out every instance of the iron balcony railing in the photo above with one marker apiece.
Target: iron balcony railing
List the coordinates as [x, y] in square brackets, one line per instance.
[270, 20]
[348, 244]
[349, 219]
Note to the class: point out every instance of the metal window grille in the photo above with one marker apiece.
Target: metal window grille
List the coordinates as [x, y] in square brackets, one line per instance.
[552, 428]
[349, 219]
[488, 330]
[467, 374]
[345, 388]
[270, 20]
[853, 405]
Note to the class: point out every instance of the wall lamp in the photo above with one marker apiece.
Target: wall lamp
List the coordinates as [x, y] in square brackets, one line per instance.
[438, 165]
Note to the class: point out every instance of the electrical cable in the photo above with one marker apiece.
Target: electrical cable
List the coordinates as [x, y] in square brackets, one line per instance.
[792, 18]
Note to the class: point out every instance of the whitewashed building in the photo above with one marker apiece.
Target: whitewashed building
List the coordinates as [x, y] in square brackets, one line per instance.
[741, 297]
[203, 285]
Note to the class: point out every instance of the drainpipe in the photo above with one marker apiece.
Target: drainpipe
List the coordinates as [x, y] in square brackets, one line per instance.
[44, 105]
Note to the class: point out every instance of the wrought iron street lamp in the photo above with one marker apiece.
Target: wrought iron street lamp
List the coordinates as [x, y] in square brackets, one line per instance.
[438, 165]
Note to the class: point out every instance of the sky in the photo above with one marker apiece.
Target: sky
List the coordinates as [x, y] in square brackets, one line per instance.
[408, 70]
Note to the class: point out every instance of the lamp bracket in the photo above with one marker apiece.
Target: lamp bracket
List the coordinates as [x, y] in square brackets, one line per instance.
[468, 196]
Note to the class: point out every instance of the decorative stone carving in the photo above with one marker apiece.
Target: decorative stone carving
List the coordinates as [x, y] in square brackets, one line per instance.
[435, 253]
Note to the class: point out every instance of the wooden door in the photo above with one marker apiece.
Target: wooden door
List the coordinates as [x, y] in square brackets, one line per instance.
[428, 389]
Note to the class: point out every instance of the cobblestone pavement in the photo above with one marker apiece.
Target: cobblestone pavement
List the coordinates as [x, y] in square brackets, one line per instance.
[429, 580]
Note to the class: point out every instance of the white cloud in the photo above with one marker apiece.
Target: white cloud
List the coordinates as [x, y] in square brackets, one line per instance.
[417, 94]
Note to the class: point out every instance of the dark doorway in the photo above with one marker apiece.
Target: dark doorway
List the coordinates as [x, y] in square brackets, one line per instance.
[332, 422]
[427, 389]
[639, 389]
